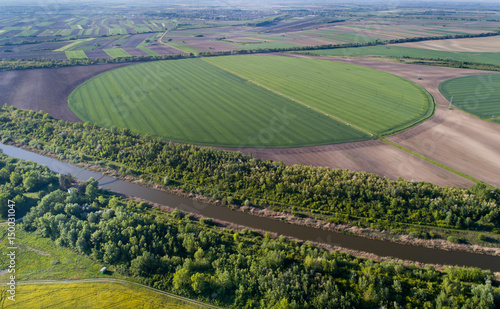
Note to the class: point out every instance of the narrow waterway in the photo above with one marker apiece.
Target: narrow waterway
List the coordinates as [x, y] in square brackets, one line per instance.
[381, 248]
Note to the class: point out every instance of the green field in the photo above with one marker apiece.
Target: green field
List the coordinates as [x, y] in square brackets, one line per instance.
[477, 94]
[252, 101]
[73, 44]
[375, 101]
[193, 101]
[410, 52]
[75, 54]
[92, 295]
[143, 44]
[184, 48]
[116, 52]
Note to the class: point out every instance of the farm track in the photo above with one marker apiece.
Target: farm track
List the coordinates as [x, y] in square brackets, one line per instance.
[17, 88]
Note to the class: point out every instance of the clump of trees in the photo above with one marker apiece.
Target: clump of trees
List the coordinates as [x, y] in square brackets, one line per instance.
[241, 269]
[347, 197]
[23, 182]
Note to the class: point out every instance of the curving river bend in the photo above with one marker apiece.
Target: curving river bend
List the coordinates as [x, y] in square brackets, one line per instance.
[378, 247]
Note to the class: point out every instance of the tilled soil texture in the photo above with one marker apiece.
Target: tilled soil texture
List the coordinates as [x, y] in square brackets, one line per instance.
[489, 44]
[47, 89]
[370, 156]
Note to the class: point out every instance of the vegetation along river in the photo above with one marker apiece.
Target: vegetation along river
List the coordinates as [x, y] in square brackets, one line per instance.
[378, 247]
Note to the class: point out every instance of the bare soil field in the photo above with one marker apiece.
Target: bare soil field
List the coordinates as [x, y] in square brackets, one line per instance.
[134, 51]
[97, 53]
[47, 89]
[33, 55]
[210, 45]
[485, 45]
[452, 137]
[370, 156]
[163, 49]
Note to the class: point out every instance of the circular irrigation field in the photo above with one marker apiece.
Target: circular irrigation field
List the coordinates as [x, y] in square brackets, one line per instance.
[478, 95]
[252, 101]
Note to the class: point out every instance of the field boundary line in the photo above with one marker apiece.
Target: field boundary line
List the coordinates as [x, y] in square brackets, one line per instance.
[445, 167]
[313, 108]
[297, 101]
[120, 281]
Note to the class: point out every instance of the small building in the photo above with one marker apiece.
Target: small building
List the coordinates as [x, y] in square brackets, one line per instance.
[104, 269]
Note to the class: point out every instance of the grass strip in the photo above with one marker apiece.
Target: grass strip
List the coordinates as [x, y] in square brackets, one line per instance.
[449, 169]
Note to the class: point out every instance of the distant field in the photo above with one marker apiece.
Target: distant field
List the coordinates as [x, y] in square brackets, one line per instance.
[148, 51]
[116, 52]
[92, 295]
[263, 45]
[192, 101]
[378, 102]
[73, 44]
[143, 44]
[184, 48]
[484, 44]
[476, 94]
[75, 54]
[397, 51]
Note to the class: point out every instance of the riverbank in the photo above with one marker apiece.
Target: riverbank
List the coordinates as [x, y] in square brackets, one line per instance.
[265, 220]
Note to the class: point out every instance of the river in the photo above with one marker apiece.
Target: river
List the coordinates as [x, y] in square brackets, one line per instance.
[378, 247]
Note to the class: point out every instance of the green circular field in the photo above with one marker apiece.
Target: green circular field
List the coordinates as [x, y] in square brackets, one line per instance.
[252, 101]
[478, 95]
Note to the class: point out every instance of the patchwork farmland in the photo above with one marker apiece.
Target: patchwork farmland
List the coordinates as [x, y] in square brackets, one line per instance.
[224, 102]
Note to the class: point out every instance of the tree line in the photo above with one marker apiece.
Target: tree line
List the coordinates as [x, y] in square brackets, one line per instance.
[343, 196]
[239, 269]
[33, 63]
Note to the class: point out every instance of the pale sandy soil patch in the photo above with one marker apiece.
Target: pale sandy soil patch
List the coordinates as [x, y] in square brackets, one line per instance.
[489, 44]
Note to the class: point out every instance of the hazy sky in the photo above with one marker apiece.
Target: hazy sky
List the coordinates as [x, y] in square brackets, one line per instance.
[48, 2]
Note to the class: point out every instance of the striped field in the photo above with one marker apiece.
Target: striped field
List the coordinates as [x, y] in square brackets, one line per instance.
[116, 52]
[252, 101]
[193, 101]
[73, 44]
[378, 102]
[477, 94]
[75, 54]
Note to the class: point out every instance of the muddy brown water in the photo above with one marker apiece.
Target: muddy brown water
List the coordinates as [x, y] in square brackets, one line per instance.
[378, 247]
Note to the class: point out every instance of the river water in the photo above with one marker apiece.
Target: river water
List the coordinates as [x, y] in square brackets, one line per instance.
[381, 248]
